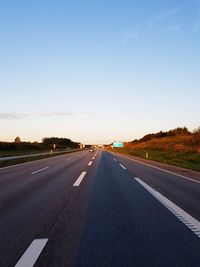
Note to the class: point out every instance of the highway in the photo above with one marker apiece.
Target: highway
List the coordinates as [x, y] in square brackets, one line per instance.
[99, 209]
[35, 154]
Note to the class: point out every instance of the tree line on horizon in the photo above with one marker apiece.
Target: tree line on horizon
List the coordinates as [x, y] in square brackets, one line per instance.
[47, 143]
[180, 131]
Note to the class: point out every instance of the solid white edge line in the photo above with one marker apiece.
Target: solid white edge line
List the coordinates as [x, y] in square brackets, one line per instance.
[184, 217]
[90, 163]
[80, 178]
[40, 170]
[32, 253]
[160, 169]
[123, 167]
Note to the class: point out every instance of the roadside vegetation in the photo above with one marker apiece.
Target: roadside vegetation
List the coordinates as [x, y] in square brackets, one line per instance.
[10, 162]
[22, 148]
[53, 146]
[177, 147]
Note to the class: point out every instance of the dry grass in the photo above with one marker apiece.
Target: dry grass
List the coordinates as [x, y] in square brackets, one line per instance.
[176, 150]
[175, 143]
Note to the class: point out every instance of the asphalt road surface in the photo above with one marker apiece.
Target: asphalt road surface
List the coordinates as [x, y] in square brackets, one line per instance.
[98, 209]
[35, 154]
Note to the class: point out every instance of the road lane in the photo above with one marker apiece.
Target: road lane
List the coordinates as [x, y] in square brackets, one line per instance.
[64, 238]
[183, 216]
[183, 192]
[13, 175]
[163, 167]
[108, 219]
[127, 226]
[31, 204]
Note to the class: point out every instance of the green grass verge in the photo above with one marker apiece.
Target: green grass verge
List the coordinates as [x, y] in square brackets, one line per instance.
[188, 160]
[9, 153]
[11, 162]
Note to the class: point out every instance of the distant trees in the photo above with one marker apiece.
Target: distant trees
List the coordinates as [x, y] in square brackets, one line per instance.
[59, 142]
[17, 140]
[197, 131]
[47, 143]
[196, 137]
[179, 131]
[174, 132]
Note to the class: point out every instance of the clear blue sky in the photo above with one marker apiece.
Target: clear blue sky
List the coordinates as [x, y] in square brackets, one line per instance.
[98, 71]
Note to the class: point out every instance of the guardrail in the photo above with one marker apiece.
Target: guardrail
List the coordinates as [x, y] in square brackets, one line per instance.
[50, 153]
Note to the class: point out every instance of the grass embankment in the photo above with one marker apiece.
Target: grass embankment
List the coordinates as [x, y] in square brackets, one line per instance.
[9, 153]
[29, 159]
[178, 151]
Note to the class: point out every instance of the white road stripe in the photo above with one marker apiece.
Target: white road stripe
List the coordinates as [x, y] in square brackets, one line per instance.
[114, 159]
[123, 167]
[93, 158]
[90, 163]
[183, 216]
[80, 178]
[69, 159]
[34, 161]
[32, 253]
[160, 169]
[40, 170]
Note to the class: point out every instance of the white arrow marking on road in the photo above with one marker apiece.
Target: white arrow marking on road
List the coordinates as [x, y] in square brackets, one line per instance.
[80, 178]
[32, 253]
[183, 216]
[40, 170]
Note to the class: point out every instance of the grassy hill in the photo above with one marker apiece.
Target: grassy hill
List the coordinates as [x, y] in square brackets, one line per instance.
[180, 149]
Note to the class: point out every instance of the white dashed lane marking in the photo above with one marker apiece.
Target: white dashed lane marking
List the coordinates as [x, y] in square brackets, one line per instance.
[90, 163]
[32, 253]
[40, 170]
[160, 169]
[122, 166]
[80, 178]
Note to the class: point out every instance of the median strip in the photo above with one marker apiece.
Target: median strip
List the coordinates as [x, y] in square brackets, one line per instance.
[80, 178]
[40, 170]
[123, 167]
[183, 216]
[32, 253]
